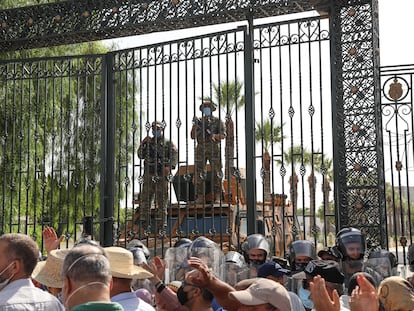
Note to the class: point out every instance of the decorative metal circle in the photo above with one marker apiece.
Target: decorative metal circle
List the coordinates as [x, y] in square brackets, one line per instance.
[398, 165]
[352, 51]
[351, 12]
[354, 89]
[86, 14]
[359, 206]
[30, 22]
[357, 167]
[355, 128]
[4, 25]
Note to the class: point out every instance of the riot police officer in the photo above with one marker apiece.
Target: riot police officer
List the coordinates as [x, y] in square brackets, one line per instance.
[301, 252]
[350, 246]
[208, 131]
[255, 250]
[160, 157]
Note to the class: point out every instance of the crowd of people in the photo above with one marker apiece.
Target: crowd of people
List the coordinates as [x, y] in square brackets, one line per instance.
[196, 275]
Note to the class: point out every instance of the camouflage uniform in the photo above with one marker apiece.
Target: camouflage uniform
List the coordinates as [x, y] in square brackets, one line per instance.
[158, 154]
[207, 149]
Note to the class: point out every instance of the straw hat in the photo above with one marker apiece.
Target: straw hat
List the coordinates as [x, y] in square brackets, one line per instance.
[48, 272]
[122, 264]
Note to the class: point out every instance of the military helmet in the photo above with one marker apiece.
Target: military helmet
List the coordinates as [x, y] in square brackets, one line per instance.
[209, 103]
[157, 124]
[350, 235]
[255, 241]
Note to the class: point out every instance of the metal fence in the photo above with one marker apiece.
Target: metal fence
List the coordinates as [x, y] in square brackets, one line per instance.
[71, 128]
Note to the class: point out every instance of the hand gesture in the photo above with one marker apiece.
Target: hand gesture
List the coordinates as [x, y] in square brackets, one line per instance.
[51, 239]
[204, 277]
[364, 297]
[156, 267]
[320, 297]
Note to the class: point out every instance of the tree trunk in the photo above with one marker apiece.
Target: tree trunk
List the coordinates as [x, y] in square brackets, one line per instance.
[266, 186]
[312, 187]
[229, 149]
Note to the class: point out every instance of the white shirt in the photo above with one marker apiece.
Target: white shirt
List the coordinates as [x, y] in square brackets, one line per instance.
[23, 295]
[130, 302]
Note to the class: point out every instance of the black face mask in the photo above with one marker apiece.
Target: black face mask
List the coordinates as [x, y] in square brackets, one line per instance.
[256, 263]
[182, 295]
[300, 266]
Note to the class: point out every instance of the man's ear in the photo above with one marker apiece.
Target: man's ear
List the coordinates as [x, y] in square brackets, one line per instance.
[67, 284]
[111, 284]
[17, 267]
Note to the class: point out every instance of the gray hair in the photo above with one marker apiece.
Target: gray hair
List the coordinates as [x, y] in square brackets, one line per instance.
[87, 263]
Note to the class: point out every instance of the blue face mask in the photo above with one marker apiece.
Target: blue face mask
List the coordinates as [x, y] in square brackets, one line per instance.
[304, 297]
[156, 133]
[207, 111]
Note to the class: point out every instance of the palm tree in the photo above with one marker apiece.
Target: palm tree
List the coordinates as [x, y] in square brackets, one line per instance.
[268, 136]
[318, 163]
[230, 97]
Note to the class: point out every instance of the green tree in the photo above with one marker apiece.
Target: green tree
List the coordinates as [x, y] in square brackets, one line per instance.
[51, 131]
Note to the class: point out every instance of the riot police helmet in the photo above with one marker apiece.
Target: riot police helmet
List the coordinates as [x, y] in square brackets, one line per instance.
[139, 255]
[351, 243]
[138, 244]
[183, 242]
[301, 252]
[253, 242]
[235, 258]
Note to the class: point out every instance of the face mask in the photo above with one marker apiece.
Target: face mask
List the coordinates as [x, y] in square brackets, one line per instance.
[304, 297]
[156, 133]
[354, 263]
[256, 263]
[300, 266]
[182, 295]
[4, 282]
[207, 111]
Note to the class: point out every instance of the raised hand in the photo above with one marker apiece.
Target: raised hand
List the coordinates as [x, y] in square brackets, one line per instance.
[51, 239]
[364, 297]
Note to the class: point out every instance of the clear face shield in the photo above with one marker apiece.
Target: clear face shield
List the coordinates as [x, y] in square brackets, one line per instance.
[234, 273]
[299, 284]
[378, 268]
[213, 257]
[176, 264]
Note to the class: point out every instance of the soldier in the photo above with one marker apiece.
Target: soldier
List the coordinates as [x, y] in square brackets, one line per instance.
[208, 131]
[160, 156]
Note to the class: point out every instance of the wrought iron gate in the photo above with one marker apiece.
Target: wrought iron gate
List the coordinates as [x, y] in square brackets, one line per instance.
[72, 127]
